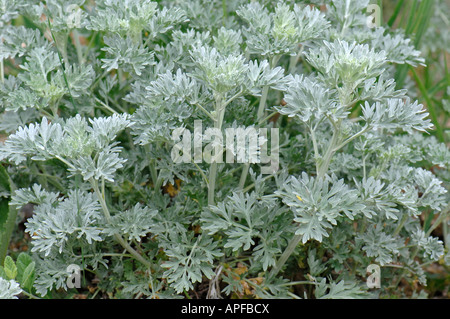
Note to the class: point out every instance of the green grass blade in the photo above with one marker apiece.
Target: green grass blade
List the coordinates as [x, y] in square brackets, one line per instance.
[430, 105]
[417, 24]
[412, 19]
[395, 14]
[426, 9]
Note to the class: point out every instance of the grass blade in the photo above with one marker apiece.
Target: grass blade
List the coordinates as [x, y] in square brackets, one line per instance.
[430, 105]
[395, 14]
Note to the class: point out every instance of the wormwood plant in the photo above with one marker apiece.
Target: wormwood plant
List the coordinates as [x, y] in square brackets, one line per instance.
[91, 92]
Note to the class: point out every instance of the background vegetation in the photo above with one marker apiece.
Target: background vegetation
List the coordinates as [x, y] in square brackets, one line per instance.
[425, 22]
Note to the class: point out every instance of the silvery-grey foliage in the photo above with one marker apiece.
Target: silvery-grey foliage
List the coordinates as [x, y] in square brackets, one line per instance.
[90, 106]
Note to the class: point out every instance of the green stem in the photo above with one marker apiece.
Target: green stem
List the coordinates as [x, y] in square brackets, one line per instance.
[65, 162]
[106, 106]
[294, 296]
[265, 90]
[345, 24]
[262, 103]
[89, 46]
[46, 114]
[2, 71]
[260, 117]
[322, 169]
[53, 180]
[224, 12]
[316, 148]
[204, 111]
[325, 162]
[249, 187]
[154, 173]
[219, 113]
[63, 69]
[380, 5]
[54, 108]
[118, 238]
[29, 295]
[212, 183]
[43, 177]
[97, 80]
[364, 130]
[401, 224]
[442, 217]
[285, 256]
[156, 178]
[116, 104]
[76, 39]
[364, 167]
[244, 174]
[103, 255]
[201, 172]
[294, 60]
[157, 182]
[295, 283]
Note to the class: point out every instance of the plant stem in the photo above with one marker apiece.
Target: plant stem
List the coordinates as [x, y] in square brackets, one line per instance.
[295, 283]
[224, 12]
[294, 60]
[29, 295]
[65, 162]
[204, 111]
[118, 238]
[154, 172]
[244, 174]
[212, 183]
[346, 18]
[76, 39]
[316, 148]
[364, 130]
[219, 113]
[89, 46]
[2, 71]
[262, 102]
[325, 162]
[249, 187]
[265, 90]
[401, 224]
[61, 60]
[442, 216]
[364, 167]
[97, 80]
[260, 117]
[46, 114]
[322, 169]
[157, 182]
[284, 257]
[106, 107]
